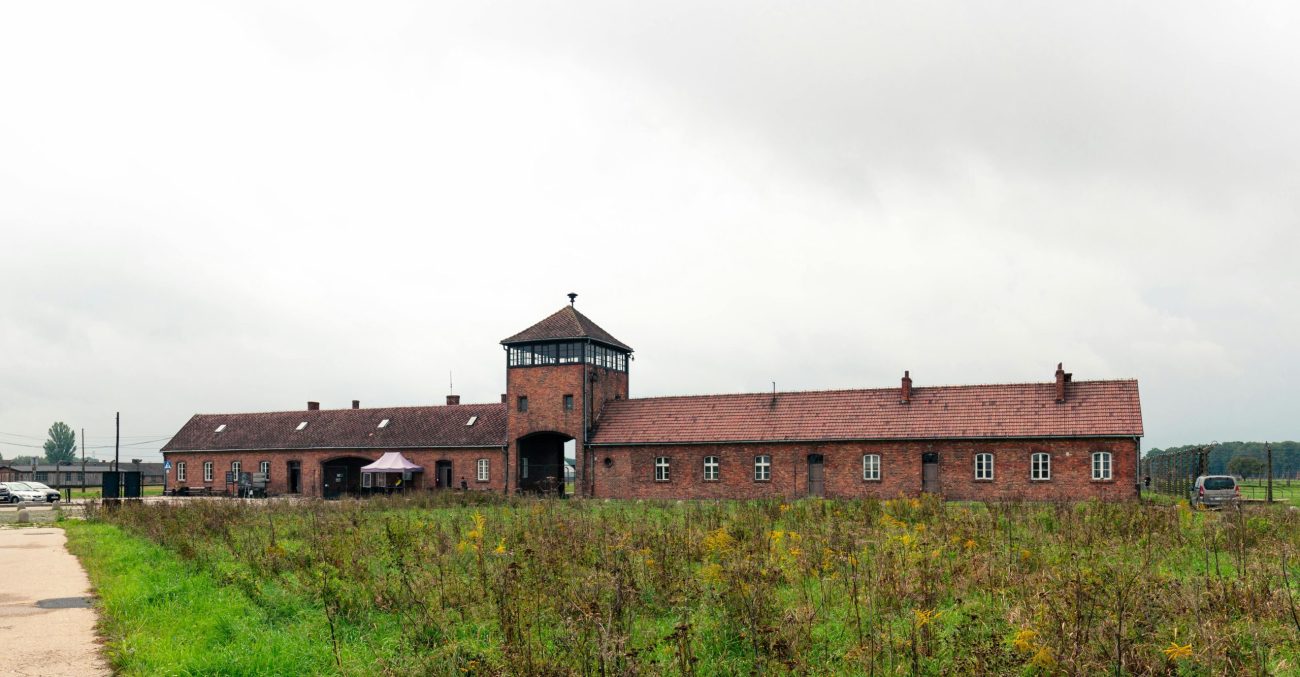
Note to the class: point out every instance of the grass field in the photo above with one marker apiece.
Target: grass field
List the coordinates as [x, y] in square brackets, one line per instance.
[1283, 490]
[471, 584]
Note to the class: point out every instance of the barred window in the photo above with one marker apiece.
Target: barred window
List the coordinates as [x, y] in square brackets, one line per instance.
[871, 467]
[762, 468]
[983, 466]
[661, 469]
[484, 466]
[1040, 466]
[1101, 465]
[207, 471]
[710, 468]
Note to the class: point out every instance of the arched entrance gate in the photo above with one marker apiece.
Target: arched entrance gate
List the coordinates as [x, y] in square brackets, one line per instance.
[541, 463]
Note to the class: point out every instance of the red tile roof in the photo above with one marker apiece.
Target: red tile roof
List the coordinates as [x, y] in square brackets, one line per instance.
[408, 428]
[566, 323]
[1091, 409]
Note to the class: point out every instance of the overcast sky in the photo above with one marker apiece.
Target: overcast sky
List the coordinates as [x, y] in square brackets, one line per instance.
[232, 207]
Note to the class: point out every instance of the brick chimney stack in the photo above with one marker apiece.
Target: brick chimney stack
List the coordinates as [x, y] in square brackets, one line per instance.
[453, 399]
[1062, 378]
[907, 389]
[313, 406]
[356, 404]
[505, 397]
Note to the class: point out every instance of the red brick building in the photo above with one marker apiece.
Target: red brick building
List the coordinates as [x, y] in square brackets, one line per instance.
[567, 387]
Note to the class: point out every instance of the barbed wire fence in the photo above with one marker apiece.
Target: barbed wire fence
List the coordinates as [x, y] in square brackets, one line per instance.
[1175, 473]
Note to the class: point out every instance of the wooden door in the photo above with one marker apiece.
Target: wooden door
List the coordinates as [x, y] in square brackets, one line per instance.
[930, 473]
[816, 476]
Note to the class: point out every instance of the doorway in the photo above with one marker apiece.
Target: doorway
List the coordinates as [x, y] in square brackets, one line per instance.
[442, 474]
[816, 476]
[541, 463]
[295, 477]
[342, 476]
[930, 472]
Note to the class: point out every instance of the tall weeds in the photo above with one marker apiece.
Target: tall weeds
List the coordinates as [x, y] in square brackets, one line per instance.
[473, 584]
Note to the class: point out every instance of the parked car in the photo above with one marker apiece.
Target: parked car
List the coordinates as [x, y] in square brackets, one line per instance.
[51, 495]
[22, 492]
[7, 496]
[1215, 490]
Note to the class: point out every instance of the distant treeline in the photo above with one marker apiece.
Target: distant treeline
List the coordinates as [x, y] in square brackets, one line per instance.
[1286, 455]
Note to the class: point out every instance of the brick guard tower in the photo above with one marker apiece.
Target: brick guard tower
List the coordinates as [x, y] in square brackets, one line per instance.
[560, 373]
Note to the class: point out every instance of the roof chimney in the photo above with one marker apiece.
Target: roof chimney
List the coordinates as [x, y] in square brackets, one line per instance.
[505, 397]
[313, 406]
[1061, 378]
[453, 399]
[356, 404]
[907, 389]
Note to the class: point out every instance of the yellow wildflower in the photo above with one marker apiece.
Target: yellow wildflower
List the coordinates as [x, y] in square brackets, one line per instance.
[1044, 658]
[718, 540]
[969, 544]
[711, 573]
[1024, 641]
[923, 617]
[501, 547]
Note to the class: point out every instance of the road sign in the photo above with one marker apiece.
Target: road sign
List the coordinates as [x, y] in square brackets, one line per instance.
[230, 477]
[167, 466]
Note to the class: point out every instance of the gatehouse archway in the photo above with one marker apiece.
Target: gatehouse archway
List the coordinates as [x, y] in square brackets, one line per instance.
[541, 463]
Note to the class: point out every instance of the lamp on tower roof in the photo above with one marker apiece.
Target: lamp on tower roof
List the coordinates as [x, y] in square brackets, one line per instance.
[573, 297]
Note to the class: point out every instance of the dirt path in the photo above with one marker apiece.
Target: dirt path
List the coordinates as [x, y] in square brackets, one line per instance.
[47, 625]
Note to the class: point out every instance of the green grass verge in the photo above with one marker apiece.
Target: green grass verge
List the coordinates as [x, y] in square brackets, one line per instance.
[162, 617]
[96, 491]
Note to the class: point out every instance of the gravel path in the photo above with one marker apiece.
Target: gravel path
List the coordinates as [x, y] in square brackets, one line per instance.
[47, 623]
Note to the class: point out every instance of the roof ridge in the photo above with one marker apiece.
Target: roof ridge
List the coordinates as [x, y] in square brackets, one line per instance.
[461, 406]
[915, 388]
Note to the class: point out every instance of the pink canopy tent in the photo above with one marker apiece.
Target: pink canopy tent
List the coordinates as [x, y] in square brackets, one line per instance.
[392, 461]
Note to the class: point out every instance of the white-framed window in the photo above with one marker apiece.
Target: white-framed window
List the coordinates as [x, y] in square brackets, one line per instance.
[234, 467]
[483, 470]
[1040, 466]
[762, 468]
[265, 468]
[871, 467]
[367, 480]
[207, 471]
[661, 469]
[180, 471]
[1101, 465]
[984, 466]
[710, 468]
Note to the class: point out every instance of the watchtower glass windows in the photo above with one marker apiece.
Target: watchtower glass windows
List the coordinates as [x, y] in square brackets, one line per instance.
[566, 352]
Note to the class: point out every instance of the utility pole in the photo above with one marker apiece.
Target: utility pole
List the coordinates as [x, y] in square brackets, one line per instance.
[117, 452]
[83, 461]
[1268, 453]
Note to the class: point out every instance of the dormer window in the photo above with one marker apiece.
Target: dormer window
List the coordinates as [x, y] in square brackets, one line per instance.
[220, 428]
[301, 425]
[383, 423]
[471, 421]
